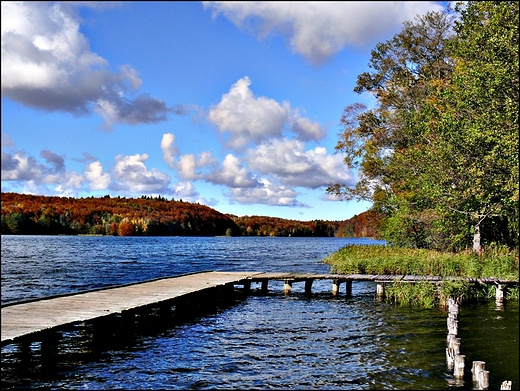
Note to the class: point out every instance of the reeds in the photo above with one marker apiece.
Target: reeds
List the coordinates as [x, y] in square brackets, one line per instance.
[494, 261]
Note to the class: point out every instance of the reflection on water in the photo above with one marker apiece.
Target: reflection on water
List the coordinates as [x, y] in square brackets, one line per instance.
[258, 341]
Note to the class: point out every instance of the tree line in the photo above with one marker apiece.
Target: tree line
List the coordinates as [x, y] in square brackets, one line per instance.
[24, 214]
[438, 153]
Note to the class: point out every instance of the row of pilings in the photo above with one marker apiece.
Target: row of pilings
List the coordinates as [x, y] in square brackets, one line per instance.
[456, 361]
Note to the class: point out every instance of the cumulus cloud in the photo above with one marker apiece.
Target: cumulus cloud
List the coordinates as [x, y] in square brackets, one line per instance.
[233, 174]
[318, 30]
[289, 162]
[267, 193]
[24, 174]
[246, 118]
[98, 180]
[169, 149]
[19, 167]
[132, 176]
[47, 64]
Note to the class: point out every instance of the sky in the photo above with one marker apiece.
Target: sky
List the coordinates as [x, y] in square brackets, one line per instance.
[233, 105]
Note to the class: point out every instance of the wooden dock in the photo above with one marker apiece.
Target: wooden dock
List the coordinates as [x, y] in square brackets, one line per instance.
[23, 319]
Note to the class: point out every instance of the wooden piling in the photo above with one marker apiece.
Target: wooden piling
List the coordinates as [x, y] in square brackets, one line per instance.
[458, 370]
[49, 350]
[308, 286]
[335, 286]
[287, 286]
[506, 385]
[380, 290]
[500, 294]
[453, 309]
[348, 288]
[476, 368]
[483, 380]
[453, 325]
[265, 284]
[452, 351]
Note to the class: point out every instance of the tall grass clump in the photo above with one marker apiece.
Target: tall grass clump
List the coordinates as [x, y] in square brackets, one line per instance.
[495, 261]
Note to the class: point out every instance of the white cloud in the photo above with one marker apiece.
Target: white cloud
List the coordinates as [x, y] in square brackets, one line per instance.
[306, 129]
[98, 179]
[233, 174]
[191, 168]
[268, 193]
[47, 64]
[318, 30]
[289, 162]
[186, 191]
[19, 167]
[23, 174]
[169, 149]
[255, 119]
[132, 176]
[247, 118]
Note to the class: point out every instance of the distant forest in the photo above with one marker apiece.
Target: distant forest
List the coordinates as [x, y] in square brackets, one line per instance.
[24, 214]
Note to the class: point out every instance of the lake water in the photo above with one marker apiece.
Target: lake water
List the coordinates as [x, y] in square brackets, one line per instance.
[272, 341]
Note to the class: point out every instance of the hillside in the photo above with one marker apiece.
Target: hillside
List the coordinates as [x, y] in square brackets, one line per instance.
[148, 216]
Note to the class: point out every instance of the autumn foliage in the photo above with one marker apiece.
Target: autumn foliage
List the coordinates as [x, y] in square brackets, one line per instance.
[155, 216]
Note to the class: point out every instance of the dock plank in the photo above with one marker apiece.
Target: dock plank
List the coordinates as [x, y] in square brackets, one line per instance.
[26, 318]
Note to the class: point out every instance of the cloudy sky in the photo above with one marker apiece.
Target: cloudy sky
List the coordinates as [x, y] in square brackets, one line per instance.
[231, 105]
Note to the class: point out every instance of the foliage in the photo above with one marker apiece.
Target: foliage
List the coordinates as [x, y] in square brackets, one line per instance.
[438, 154]
[274, 226]
[366, 224]
[40, 215]
[30, 214]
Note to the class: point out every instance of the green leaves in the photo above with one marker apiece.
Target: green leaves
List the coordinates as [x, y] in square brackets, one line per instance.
[439, 152]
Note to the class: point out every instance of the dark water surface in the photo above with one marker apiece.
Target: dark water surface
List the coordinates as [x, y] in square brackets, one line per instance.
[272, 341]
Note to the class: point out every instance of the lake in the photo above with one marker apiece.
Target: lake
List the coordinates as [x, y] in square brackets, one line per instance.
[271, 341]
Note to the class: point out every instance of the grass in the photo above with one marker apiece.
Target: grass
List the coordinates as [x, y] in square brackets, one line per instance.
[494, 261]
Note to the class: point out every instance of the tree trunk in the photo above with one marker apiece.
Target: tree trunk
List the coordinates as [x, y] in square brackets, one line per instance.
[476, 239]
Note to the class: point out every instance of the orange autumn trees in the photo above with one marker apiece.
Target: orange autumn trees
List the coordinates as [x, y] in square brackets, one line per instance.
[39, 215]
[154, 216]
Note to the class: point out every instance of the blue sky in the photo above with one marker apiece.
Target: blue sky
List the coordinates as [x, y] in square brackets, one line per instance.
[232, 105]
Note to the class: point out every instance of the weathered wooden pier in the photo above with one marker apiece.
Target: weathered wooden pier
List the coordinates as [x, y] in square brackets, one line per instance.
[22, 320]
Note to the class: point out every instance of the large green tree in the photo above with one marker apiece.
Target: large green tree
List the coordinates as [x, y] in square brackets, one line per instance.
[439, 152]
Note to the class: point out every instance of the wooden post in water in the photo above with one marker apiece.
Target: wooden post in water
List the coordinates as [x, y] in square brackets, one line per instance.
[453, 325]
[348, 288]
[506, 385]
[380, 290]
[453, 307]
[483, 380]
[264, 286]
[335, 286]
[475, 370]
[247, 286]
[49, 350]
[452, 342]
[458, 370]
[287, 286]
[500, 293]
[452, 351]
[308, 286]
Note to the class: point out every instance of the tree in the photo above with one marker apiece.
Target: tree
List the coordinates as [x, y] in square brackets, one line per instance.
[482, 106]
[439, 152]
